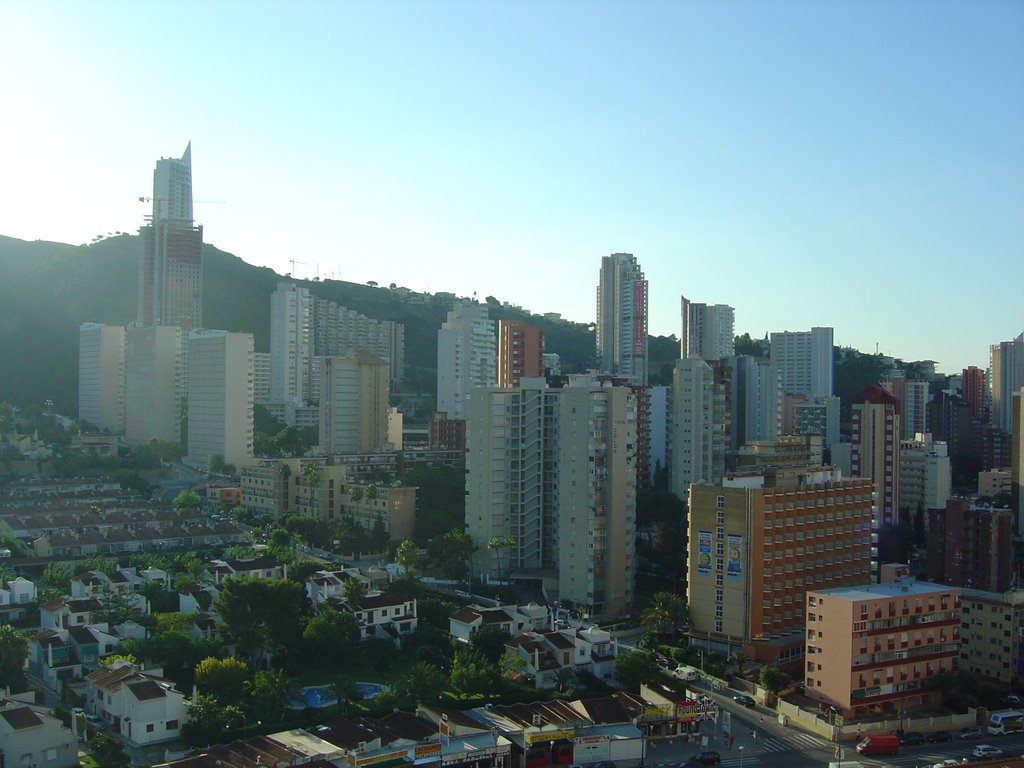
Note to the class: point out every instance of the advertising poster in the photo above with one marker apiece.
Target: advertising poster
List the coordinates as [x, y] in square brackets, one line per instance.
[734, 569]
[704, 553]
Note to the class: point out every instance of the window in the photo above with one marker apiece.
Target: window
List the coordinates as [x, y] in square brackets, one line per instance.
[172, 725]
[149, 727]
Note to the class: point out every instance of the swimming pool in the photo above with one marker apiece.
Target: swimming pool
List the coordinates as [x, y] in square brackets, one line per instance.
[315, 697]
[369, 690]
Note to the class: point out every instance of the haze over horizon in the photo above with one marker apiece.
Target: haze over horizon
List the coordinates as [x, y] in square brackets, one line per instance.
[854, 165]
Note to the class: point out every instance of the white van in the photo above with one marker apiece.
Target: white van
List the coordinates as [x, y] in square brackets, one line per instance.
[684, 672]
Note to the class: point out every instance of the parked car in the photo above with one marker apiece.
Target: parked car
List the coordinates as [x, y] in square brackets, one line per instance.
[1014, 700]
[96, 722]
[705, 758]
[947, 763]
[742, 698]
[911, 739]
[986, 750]
[938, 736]
[971, 732]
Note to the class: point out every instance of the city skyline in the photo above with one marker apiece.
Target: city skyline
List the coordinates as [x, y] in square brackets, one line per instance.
[800, 163]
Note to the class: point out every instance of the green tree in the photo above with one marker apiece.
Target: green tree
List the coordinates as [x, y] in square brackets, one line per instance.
[407, 556]
[353, 590]
[472, 674]
[269, 692]
[58, 576]
[330, 634]
[499, 545]
[187, 499]
[451, 552]
[262, 614]
[665, 613]
[13, 653]
[99, 564]
[425, 682]
[107, 751]
[207, 720]
[117, 607]
[490, 642]
[224, 679]
[773, 679]
[633, 668]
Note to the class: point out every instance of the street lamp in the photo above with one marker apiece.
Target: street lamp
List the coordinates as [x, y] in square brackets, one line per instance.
[741, 756]
[700, 652]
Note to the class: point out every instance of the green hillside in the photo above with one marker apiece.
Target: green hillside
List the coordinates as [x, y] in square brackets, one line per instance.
[48, 289]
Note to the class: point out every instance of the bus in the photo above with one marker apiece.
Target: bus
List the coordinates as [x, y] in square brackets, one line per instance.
[1002, 723]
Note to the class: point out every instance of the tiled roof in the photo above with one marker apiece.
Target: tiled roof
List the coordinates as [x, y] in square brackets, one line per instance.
[146, 690]
[20, 718]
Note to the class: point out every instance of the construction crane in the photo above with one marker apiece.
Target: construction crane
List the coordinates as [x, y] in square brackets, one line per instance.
[294, 262]
[164, 200]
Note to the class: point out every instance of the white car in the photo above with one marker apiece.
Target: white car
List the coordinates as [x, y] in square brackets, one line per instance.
[986, 750]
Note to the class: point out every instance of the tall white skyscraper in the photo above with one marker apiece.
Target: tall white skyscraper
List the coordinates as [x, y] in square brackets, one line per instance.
[1005, 376]
[154, 383]
[291, 347]
[707, 330]
[554, 469]
[101, 376]
[622, 318]
[804, 359]
[171, 269]
[466, 357]
[220, 397]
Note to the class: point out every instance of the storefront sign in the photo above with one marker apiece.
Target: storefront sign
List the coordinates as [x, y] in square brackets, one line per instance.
[379, 758]
[426, 750]
[534, 737]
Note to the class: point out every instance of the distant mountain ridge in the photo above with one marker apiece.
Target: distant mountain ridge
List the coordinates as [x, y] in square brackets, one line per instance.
[48, 289]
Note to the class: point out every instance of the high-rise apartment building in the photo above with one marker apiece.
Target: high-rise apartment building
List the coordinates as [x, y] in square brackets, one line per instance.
[520, 352]
[818, 418]
[875, 451]
[912, 395]
[1005, 376]
[804, 359]
[878, 646]
[354, 404]
[697, 435]
[154, 383]
[466, 357]
[101, 376]
[707, 330]
[926, 478]
[754, 399]
[757, 542]
[171, 270]
[970, 545]
[552, 470]
[1017, 460]
[972, 385]
[621, 329]
[339, 331]
[291, 348]
[220, 397]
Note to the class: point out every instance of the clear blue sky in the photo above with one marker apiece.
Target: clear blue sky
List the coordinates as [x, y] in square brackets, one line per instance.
[853, 164]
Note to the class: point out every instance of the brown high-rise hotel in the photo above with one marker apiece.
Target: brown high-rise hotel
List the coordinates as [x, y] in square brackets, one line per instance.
[758, 542]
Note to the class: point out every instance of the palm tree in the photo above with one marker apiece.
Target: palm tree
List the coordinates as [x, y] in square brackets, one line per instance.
[739, 661]
[498, 544]
[354, 590]
[665, 613]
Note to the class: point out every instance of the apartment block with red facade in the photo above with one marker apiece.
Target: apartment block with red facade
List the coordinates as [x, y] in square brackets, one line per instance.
[758, 542]
[875, 450]
[874, 648]
[520, 352]
[447, 433]
[972, 387]
[970, 545]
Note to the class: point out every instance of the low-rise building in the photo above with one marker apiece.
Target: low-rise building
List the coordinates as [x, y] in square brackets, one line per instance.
[992, 636]
[141, 706]
[32, 737]
[874, 648]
